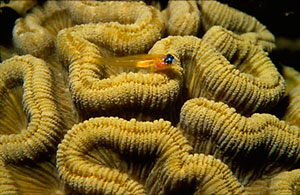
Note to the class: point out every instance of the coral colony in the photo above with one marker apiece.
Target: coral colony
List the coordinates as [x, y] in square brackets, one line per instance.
[112, 97]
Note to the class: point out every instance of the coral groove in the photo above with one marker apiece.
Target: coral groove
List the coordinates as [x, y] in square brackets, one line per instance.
[112, 155]
[215, 128]
[253, 85]
[36, 33]
[44, 129]
[182, 18]
[215, 13]
[286, 182]
[82, 47]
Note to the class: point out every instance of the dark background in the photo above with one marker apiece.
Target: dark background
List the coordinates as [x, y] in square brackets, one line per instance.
[282, 18]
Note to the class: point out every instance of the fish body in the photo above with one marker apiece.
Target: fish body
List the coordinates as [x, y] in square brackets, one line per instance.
[154, 62]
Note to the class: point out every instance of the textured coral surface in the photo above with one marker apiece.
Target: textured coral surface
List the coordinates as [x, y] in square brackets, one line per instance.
[127, 97]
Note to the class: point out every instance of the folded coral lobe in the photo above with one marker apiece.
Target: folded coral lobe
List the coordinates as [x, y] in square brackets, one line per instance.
[262, 139]
[114, 156]
[215, 13]
[31, 178]
[35, 34]
[292, 112]
[286, 182]
[42, 128]
[182, 18]
[251, 83]
[83, 47]
[122, 27]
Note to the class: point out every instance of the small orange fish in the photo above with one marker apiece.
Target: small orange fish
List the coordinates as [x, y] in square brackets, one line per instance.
[154, 62]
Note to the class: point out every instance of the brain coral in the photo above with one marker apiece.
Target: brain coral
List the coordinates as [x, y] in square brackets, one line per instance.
[63, 88]
[251, 83]
[45, 123]
[292, 99]
[36, 33]
[111, 155]
[286, 182]
[215, 13]
[214, 128]
[26, 178]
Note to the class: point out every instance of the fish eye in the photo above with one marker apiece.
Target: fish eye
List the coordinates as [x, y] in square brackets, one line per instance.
[169, 59]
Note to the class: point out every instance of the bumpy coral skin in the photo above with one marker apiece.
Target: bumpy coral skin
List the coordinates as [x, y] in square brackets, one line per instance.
[115, 156]
[82, 47]
[215, 13]
[214, 128]
[182, 18]
[250, 86]
[286, 182]
[36, 33]
[44, 128]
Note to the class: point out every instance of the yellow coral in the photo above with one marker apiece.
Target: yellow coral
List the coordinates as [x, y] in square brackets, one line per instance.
[12, 117]
[286, 182]
[45, 124]
[182, 18]
[36, 33]
[291, 103]
[115, 156]
[111, 155]
[39, 178]
[250, 86]
[82, 47]
[215, 13]
[122, 33]
[292, 78]
[262, 139]
[292, 112]
[6, 181]
[21, 6]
